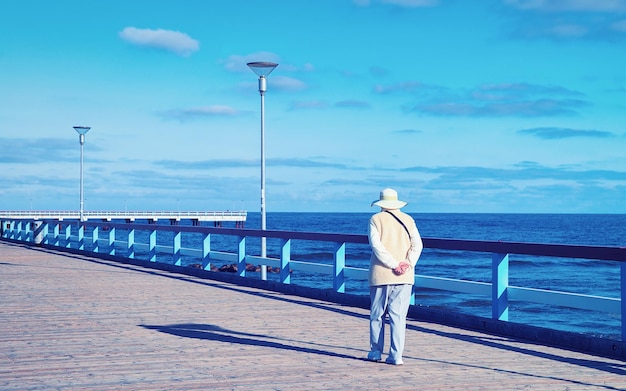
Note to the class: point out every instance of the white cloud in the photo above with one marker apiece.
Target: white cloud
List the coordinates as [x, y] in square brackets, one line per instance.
[554, 133]
[406, 86]
[569, 31]
[569, 5]
[305, 105]
[399, 3]
[412, 3]
[285, 83]
[212, 110]
[173, 41]
[619, 26]
[201, 112]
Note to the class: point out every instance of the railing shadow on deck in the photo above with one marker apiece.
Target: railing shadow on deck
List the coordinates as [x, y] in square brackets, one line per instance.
[74, 238]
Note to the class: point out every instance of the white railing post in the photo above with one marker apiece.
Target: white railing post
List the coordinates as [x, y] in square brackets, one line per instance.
[39, 232]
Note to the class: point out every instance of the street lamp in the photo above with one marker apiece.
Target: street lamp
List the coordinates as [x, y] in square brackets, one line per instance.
[262, 69]
[82, 131]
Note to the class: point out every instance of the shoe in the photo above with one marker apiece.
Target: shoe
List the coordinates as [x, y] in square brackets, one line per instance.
[390, 361]
[373, 356]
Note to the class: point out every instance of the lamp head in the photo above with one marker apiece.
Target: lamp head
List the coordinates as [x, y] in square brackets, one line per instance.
[262, 68]
[82, 130]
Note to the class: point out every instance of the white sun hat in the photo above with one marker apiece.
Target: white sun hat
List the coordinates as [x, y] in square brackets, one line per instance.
[389, 200]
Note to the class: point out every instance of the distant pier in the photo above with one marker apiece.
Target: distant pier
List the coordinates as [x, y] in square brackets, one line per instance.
[218, 217]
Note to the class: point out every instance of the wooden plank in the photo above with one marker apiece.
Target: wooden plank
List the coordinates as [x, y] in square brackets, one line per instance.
[78, 322]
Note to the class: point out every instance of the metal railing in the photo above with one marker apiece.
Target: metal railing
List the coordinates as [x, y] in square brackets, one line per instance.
[103, 239]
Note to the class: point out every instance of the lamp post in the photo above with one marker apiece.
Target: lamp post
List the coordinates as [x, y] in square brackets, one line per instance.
[82, 131]
[262, 69]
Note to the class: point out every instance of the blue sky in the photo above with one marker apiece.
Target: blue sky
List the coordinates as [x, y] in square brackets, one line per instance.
[462, 106]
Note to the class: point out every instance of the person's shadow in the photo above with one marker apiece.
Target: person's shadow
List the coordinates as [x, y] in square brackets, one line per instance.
[215, 333]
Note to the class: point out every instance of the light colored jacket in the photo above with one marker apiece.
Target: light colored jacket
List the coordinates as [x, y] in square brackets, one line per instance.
[391, 245]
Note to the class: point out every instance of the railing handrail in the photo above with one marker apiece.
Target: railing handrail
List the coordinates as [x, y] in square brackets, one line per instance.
[591, 252]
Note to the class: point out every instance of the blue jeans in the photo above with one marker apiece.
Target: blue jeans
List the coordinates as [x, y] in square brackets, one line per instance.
[394, 300]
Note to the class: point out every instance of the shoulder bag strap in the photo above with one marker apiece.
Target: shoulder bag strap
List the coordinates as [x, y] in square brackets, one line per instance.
[400, 221]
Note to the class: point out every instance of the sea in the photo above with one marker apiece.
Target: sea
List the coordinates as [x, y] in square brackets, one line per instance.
[592, 277]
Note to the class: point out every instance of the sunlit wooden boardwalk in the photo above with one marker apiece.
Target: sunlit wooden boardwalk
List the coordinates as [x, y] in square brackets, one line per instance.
[73, 322]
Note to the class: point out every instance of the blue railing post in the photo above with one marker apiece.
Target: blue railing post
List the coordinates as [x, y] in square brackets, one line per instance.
[46, 232]
[131, 243]
[8, 229]
[241, 257]
[55, 234]
[177, 257]
[499, 286]
[94, 239]
[152, 246]
[285, 258]
[112, 241]
[28, 233]
[206, 252]
[81, 236]
[68, 235]
[623, 297]
[339, 281]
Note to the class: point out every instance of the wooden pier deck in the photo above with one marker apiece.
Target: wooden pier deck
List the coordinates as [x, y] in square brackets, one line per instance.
[74, 322]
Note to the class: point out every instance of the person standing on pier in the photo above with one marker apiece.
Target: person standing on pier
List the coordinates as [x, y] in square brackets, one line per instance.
[396, 246]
